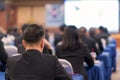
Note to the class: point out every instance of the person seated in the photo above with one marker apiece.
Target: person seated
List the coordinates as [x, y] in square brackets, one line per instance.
[33, 64]
[3, 55]
[89, 41]
[103, 34]
[18, 40]
[73, 50]
[58, 36]
[92, 34]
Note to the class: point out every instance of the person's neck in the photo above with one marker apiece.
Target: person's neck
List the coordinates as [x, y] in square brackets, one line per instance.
[34, 48]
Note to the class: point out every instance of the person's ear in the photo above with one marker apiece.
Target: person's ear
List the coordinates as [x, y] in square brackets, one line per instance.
[42, 44]
[24, 43]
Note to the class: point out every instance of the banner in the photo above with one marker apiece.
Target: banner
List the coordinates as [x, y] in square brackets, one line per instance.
[54, 15]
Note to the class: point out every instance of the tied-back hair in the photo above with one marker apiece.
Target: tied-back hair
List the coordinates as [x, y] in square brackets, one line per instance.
[71, 39]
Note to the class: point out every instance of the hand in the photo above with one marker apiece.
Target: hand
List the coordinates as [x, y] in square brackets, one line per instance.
[47, 44]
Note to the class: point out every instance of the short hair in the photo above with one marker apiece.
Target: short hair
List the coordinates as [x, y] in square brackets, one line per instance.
[101, 28]
[33, 33]
[62, 27]
[92, 32]
[24, 26]
[82, 31]
[71, 39]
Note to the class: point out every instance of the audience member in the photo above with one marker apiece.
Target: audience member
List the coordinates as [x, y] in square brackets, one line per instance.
[58, 36]
[103, 34]
[92, 34]
[33, 64]
[47, 48]
[18, 40]
[13, 31]
[89, 41]
[73, 50]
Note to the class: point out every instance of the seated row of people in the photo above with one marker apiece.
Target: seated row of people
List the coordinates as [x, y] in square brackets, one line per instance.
[72, 44]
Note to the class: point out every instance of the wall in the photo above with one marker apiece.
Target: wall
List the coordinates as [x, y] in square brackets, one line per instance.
[33, 11]
[2, 19]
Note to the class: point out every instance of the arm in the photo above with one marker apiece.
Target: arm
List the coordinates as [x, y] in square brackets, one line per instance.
[61, 74]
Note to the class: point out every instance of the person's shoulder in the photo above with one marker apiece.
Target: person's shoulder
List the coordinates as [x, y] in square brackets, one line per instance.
[15, 57]
[48, 56]
[84, 45]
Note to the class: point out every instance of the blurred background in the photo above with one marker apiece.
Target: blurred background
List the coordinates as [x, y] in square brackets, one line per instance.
[53, 13]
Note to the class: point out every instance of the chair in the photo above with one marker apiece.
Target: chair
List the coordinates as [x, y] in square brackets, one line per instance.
[67, 65]
[10, 50]
[103, 43]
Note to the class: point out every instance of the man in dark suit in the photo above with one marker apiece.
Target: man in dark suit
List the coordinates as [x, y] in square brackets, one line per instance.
[33, 64]
[3, 55]
[18, 40]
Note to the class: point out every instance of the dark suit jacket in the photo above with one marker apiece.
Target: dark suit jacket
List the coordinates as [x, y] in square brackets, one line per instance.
[76, 58]
[91, 43]
[33, 65]
[3, 54]
[58, 38]
[103, 35]
[18, 41]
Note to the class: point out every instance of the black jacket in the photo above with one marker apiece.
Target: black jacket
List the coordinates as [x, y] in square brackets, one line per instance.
[76, 58]
[33, 65]
[18, 41]
[3, 54]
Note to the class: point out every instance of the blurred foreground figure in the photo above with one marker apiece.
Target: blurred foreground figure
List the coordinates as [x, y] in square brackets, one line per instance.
[3, 56]
[33, 64]
[6, 38]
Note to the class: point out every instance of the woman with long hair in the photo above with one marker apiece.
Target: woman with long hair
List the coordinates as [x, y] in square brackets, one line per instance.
[73, 50]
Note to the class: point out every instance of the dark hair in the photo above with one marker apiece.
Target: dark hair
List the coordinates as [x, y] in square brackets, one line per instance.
[105, 30]
[101, 28]
[24, 27]
[71, 39]
[82, 31]
[33, 33]
[62, 27]
[92, 32]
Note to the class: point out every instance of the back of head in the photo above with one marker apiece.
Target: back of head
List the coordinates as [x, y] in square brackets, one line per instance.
[24, 27]
[92, 32]
[101, 28]
[82, 31]
[33, 33]
[62, 27]
[71, 38]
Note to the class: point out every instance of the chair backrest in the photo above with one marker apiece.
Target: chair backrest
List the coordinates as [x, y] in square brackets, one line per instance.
[103, 43]
[10, 50]
[67, 65]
